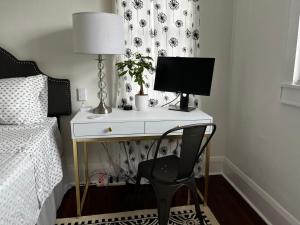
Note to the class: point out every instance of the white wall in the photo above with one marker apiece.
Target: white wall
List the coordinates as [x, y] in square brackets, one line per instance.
[264, 134]
[40, 30]
[215, 41]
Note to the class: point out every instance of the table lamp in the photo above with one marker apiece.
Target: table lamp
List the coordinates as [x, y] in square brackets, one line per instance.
[98, 34]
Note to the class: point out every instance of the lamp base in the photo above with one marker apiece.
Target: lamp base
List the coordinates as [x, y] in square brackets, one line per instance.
[102, 109]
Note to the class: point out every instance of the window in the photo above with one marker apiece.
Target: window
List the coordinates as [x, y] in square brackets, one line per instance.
[290, 89]
[296, 75]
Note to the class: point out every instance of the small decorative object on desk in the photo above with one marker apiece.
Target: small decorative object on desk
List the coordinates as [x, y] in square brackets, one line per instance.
[127, 107]
[135, 68]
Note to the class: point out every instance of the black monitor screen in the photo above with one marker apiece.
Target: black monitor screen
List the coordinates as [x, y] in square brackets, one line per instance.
[184, 75]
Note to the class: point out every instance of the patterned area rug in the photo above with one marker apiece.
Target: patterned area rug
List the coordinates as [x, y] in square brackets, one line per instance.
[182, 215]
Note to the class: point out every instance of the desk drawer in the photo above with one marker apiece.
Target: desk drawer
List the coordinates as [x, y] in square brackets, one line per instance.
[159, 127]
[107, 129]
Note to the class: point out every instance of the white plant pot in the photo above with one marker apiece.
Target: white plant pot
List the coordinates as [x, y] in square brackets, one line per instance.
[141, 102]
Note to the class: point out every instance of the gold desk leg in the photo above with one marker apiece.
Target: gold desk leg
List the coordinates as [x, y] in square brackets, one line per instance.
[199, 193]
[207, 159]
[86, 162]
[76, 176]
[86, 174]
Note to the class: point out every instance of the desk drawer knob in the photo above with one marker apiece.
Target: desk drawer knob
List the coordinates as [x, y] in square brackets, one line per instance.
[109, 129]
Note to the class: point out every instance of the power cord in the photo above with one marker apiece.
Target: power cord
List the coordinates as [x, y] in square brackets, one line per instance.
[113, 164]
[171, 101]
[150, 149]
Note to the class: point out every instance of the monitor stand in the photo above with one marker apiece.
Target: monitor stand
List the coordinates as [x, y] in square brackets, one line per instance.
[184, 104]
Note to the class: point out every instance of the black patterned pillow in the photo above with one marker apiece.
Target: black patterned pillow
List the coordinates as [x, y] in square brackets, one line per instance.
[23, 100]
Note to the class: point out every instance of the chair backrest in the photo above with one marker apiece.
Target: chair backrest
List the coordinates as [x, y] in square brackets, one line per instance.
[191, 147]
[192, 138]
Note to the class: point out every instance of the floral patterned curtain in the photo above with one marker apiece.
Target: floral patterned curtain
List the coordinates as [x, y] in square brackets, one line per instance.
[155, 28]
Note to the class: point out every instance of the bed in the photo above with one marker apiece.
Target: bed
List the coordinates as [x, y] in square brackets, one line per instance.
[30, 155]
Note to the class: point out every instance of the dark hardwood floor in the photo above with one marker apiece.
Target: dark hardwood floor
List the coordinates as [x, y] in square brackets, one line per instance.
[226, 204]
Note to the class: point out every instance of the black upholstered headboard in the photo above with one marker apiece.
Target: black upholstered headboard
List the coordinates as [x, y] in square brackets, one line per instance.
[59, 95]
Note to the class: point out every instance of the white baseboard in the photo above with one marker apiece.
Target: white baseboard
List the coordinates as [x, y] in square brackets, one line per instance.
[216, 165]
[266, 206]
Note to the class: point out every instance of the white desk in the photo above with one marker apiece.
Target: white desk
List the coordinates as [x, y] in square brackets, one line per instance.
[123, 125]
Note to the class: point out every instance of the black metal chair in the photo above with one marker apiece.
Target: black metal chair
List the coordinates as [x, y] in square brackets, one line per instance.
[168, 174]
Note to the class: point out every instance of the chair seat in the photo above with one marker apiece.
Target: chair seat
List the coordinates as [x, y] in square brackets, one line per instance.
[166, 168]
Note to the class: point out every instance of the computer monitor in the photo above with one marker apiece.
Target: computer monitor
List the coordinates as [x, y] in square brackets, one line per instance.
[185, 76]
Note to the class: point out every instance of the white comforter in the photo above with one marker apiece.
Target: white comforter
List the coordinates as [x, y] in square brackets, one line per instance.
[30, 168]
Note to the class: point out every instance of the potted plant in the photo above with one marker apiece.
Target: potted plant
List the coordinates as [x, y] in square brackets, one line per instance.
[135, 68]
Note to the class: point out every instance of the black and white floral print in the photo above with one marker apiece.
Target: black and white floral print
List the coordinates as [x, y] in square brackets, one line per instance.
[173, 42]
[128, 53]
[188, 33]
[138, 42]
[138, 4]
[148, 51]
[185, 12]
[143, 23]
[124, 101]
[162, 53]
[128, 15]
[128, 87]
[196, 35]
[153, 33]
[162, 18]
[155, 28]
[174, 4]
[179, 23]
[157, 44]
[157, 6]
[153, 102]
[124, 4]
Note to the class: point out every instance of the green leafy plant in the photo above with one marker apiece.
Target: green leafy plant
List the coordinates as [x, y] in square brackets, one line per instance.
[135, 68]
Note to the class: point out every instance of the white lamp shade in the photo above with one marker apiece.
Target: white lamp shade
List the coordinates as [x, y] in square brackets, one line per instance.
[98, 33]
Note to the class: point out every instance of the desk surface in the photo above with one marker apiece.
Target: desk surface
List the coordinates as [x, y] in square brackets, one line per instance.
[152, 114]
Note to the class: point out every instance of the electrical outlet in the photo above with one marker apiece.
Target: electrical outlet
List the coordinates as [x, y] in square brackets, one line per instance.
[82, 94]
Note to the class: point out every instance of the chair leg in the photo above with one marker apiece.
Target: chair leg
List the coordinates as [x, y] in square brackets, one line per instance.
[164, 196]
[138, 180]
[137, 188]
[192, 186]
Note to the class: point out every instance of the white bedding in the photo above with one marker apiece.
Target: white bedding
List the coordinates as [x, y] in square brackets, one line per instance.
[30, 168]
